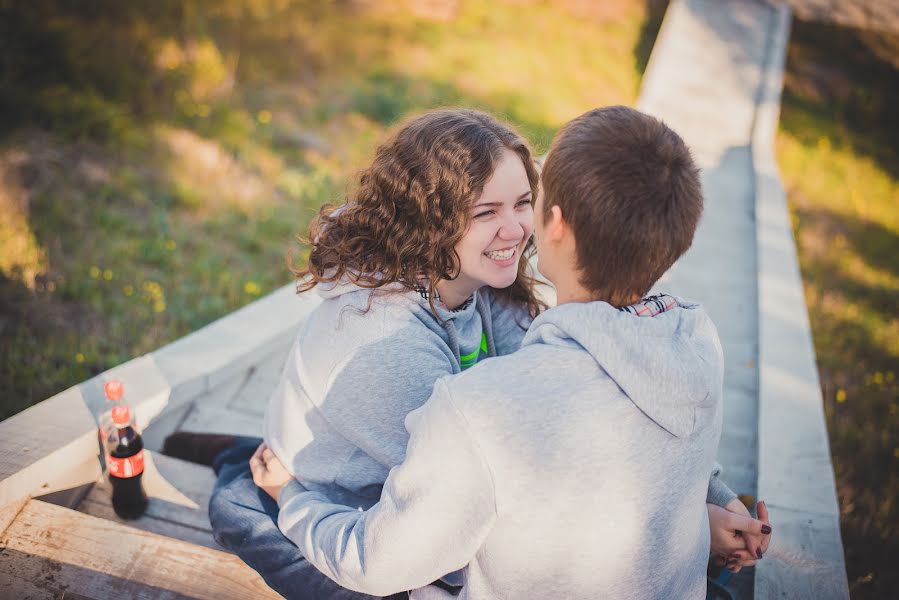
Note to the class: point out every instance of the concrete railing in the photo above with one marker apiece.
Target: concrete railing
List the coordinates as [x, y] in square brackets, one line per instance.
[795, 475]
[53, 445]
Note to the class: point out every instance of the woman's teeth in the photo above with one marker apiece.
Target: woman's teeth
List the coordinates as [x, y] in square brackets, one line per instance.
[501, 254]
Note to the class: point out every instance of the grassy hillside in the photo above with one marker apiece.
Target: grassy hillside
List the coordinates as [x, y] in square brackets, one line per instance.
[839, 156]
[156, 160]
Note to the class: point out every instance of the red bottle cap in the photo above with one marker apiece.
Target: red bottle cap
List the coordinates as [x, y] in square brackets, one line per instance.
[113, 389]
[121, 415]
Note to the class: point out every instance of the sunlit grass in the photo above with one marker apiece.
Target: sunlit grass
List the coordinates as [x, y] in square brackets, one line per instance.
[176, 151]
[839, 163]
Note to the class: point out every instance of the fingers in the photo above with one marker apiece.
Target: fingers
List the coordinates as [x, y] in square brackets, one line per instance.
[741, 556]
[257, 455]
[762, 510]
[751, 531]
[747, 525]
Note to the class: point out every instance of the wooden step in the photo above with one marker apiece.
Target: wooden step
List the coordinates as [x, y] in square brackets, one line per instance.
[49, 551]
[179, 498]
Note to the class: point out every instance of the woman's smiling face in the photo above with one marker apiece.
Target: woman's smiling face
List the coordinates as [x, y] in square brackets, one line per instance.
[502, 220]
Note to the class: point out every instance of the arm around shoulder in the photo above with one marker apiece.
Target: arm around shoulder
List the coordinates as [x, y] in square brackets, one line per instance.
[435, 511]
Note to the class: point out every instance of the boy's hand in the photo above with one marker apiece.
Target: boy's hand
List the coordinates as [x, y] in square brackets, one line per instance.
[738, 540]
[268, 472]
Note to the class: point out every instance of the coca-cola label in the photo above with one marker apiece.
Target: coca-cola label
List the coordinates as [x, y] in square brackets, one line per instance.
[125, 467]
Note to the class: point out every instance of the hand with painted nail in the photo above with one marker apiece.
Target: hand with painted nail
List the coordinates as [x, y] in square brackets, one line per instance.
[756, 543]
[737, 540]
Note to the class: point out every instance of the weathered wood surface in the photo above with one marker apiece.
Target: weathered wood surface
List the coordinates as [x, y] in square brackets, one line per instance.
[45, 447]
[179, 494]
[54, 552]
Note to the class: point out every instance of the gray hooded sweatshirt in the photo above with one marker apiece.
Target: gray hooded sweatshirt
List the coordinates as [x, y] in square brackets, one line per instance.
[576, 468]
[362, 361]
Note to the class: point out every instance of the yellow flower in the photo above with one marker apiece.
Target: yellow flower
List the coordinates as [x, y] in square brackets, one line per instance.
[264, 116]
[107, 275]
[170, 244]
[159, 306]
[128, 289]
[95, 271]
[841, 395]
[252, 288]
[79, 358]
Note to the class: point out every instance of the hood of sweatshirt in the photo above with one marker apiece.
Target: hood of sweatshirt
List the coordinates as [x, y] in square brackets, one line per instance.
[667, 364]
[449, 320]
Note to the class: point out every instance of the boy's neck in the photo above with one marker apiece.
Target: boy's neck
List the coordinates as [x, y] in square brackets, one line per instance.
[567, 292]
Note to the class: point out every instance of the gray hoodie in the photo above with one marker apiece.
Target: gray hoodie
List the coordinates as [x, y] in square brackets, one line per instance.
[575, 468]
[361, 362]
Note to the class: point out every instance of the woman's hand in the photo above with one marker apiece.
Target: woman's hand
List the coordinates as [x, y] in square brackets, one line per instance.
[738, 540]
[268, 472]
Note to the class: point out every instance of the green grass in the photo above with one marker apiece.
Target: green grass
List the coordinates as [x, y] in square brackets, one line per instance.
[156, 163]
[840, 162]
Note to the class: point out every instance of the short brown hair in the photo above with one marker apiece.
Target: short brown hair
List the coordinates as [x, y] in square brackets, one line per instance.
[412, 207]
[630, 191]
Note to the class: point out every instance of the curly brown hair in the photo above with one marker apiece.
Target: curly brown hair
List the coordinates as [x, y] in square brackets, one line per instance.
[413, 205]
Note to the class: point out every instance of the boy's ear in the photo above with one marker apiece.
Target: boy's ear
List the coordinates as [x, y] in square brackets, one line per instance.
[556, 227]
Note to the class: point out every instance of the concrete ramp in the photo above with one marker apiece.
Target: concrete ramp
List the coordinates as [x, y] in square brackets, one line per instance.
[715, 76]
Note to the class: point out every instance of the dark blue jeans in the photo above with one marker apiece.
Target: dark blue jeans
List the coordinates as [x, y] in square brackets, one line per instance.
[245, 521]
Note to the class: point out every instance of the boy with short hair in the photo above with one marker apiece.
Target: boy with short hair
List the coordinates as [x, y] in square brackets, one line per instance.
[578, 466]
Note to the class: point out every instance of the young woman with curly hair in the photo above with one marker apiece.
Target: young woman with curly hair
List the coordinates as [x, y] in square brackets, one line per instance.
[423, 273]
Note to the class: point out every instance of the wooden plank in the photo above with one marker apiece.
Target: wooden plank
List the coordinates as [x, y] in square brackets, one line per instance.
[55, 548]
[263, 379]
[210, 419]
[9, 512]
[14, 587]
[69, 490]
[164, 425]
[48, 447]
[178, 531]
[178, 491]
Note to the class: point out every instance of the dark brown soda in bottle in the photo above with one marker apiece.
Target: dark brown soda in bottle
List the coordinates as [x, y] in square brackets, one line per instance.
[125, 465]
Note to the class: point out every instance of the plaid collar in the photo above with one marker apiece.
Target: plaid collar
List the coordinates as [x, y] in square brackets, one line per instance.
[651, 306]
[423, 292]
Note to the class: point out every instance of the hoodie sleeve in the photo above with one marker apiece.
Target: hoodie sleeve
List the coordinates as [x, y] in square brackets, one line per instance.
[719, 494]
[425, 524]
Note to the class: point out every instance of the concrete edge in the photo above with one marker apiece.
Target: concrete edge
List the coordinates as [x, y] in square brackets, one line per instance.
[645, 94]
[795, 473]
[41, 444]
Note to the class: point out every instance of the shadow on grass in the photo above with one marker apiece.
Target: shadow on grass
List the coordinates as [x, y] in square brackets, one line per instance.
[655, 13]
[876, 245]
[844, 83]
